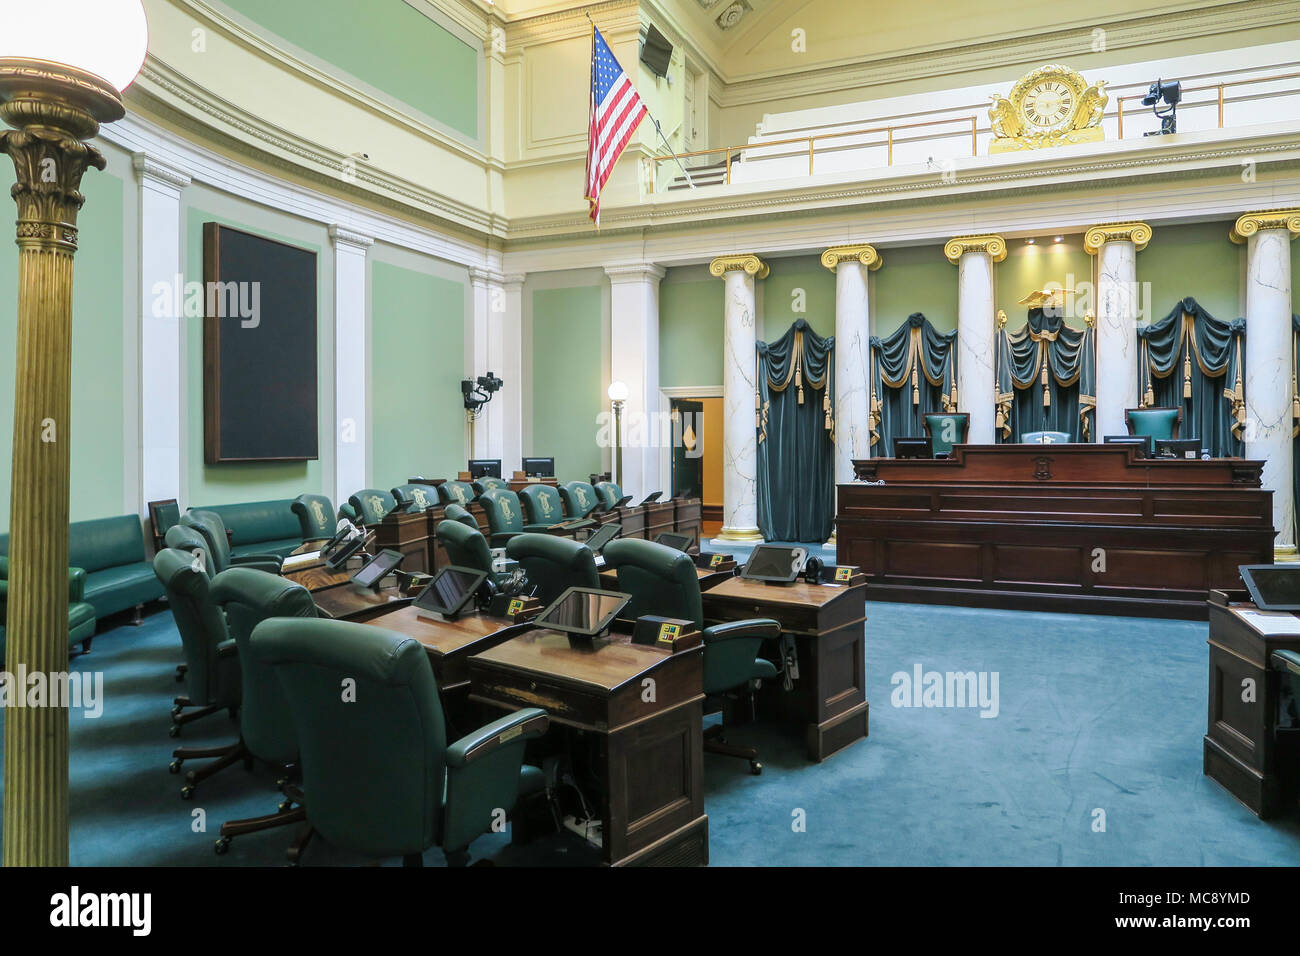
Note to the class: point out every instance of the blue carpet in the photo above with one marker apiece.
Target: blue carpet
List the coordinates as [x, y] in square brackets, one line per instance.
[1095, 714]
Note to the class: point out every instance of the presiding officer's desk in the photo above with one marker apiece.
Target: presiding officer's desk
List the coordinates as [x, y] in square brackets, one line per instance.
[1076, 528]
[829, 697]
[634, 713]
[1245, 750]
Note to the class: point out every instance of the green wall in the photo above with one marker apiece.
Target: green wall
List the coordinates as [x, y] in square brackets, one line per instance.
[395, 49]
[230, 483]
[417, 360]
[1197, 260]
[99, 396]
[778, 304]
[1027, 268]
[690, 328]
[913, 279]
[568, 389]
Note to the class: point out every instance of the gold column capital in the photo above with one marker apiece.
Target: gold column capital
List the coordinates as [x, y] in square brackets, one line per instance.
[958, 246]
[863, 253]
[1138, 233]
[1252, 222]
[748, 263]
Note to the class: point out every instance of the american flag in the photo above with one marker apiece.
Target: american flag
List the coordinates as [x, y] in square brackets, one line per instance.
[616, 109]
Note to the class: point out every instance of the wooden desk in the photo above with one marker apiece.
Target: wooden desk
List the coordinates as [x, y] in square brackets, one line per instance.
[649, 756]
[352, 602]
[409, 535]
[449, 643]
[519, 484]
[687, 518]
[709, 577]
[632, 520]
[1243, 747]
[827, 622]
[1076, 528]
[659, 517]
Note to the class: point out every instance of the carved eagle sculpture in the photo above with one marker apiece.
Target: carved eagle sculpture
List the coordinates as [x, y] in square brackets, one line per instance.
[1046, 298]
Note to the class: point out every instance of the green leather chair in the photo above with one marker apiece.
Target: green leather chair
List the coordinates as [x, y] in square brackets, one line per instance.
[184, 538]
[81, 614]
[266, 725]
[211, 665]
[579, 498]
[1045, 438]
[490, 483]
[378, 775]
[543, 505]
[554, 564]
[1157, 423]
[505, 515]
[608, 492]
[421, 497]
[347, 511]
[260, 528]
[456, 493]
[213, 529]
[457, 513]
[371, 504]
[466, 547]
[663, 581]
[316, 516]
[946, 430]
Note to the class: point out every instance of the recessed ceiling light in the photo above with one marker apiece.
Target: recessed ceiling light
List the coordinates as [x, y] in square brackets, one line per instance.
[1029, 242]
[1057, 239]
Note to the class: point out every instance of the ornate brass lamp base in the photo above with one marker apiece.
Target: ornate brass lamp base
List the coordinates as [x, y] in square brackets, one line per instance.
[53, 108]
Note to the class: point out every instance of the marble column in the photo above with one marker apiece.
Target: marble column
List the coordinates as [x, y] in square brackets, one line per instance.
[350, 361]
[739, 397]
[1116, 246]
[974, 257]
[1268, 358]
[634, 361]
[852, 354]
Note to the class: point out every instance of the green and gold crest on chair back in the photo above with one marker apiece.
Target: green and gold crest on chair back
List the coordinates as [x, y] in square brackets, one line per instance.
[315, 516]
[579, 498]
[609, 492]
[490, 483]
[456, 493]
[1159, 423]
[543, 505]
[504, 513]
[945, 430]
[371, 504]
[421, 497]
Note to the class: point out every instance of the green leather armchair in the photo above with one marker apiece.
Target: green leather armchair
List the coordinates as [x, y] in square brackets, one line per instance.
[211, 673]
[315, 516]
[378, 774]
[456, 492]
[946, 430]
[543, 506]
[608, 493]
[81, 614]
[490, 483]
[213, 529]
[184, 538]
[457, 513]
[1157, 423]
[505, 515]
[371, 504]
[465, 546]
[1045, 438]
[579, 498]
[663, 581]
[421, 497]
[347, 511]
[554, 564]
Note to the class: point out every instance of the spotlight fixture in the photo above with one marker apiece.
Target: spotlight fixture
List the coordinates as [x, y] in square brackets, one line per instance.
[1171, 93]
[478, 392]
[1058, 238]
[1030, 242]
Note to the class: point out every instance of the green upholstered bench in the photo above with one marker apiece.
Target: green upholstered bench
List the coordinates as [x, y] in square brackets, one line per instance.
[81, 616]
[260, 527]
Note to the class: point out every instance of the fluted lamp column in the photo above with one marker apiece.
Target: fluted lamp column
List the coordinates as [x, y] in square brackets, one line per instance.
[63, 65]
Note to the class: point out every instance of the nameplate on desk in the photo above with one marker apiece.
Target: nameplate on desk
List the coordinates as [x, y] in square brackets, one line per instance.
[673, 634]
[843, 575]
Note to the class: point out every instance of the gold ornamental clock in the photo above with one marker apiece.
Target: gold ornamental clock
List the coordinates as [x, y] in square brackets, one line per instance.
[1051, 106]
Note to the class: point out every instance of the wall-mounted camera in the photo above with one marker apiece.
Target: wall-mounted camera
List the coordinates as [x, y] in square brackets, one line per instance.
[478, 392]
[1170, 94]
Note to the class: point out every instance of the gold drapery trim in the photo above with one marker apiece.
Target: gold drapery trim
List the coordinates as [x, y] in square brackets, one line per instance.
[914, 368]
[1187, 345]
[798, 374]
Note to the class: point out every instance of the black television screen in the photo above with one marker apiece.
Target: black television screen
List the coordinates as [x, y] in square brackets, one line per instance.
[538, 467]
[656, 51]
[485, 468]
[1178, 448]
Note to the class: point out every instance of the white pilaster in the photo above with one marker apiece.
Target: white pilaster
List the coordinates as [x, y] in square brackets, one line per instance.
[1268, 358]
[634, 360]
[1116, 247]
[852, 354]
[162, 288]
[509, 356]
[350, 362]
[739, 396]
[974, 257]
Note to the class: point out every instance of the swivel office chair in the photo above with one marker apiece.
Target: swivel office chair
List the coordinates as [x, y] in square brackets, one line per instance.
[211, 667]
[504, 513]
[371, 504]
[375, 791]
[663, 581]
[946, 431]
[213, 529]
[543, 506]
[608, 492]
[422, 497]
[316, 516]
[457, 513]
[266, 726]
[456, 492]
[579, 498]
[465, 546]
[554, 564]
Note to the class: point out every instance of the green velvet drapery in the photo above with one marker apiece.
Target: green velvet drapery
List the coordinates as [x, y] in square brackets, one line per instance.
[1193, 361]
[913, 374]
[796, 436]
[1046, 378]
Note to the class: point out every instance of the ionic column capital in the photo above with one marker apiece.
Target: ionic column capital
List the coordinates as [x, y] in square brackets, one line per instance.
[1252, 222]
[863, 253]
[995, 247]
[748, 263]
[1138, 233]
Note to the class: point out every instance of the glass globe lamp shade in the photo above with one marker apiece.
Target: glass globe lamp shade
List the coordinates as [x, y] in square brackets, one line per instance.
[617, 392]
[107, 38]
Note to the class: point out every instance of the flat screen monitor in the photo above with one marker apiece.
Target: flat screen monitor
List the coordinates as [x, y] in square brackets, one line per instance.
[653, 496]
[603, 536]
[775, 562]
[370, 573]
[911, 448]
[1273, 587]
[1141, 441]
[678, 542]
[339, 556]
[450, 590]
[538, 467]
[484, 468]
[583, 611]
[346, 528]
[1178, 448]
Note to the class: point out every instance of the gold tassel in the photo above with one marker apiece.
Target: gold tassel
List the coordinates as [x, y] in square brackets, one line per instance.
[916, 388]
[798, 382]
[1047, 395]
[1187, 375]
[1149, 398]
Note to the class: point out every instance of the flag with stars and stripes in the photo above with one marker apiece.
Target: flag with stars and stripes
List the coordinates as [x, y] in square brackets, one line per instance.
[616, 109]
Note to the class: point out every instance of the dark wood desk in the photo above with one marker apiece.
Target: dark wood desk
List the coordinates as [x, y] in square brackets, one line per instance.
[659, 517]
[709, 577]
[687, 518]
[648, 758]
[632, 520]
[409, 535]
[1078, 528]
[519, 484]
[450, 643]
[828, 624]
[352, 602]
[1244, 748]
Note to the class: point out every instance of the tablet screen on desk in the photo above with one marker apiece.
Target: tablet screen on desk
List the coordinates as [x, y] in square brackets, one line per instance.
[583, 611]
[374, 569]
[771, 562]
[603, 536]
[450, 590]
[1273, 587]
[678, 542]
[339, 556]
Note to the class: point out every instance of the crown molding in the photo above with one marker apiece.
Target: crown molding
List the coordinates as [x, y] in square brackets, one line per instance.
[342, 236]
[1251, 223]
[151, 169]
[1138, 233]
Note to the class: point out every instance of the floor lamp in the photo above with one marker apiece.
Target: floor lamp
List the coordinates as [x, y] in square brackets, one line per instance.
[63, 66]
[618, 396]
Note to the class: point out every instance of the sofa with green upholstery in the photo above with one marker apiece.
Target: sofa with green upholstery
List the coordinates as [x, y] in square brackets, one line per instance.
[260, 527]
[81, 616]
